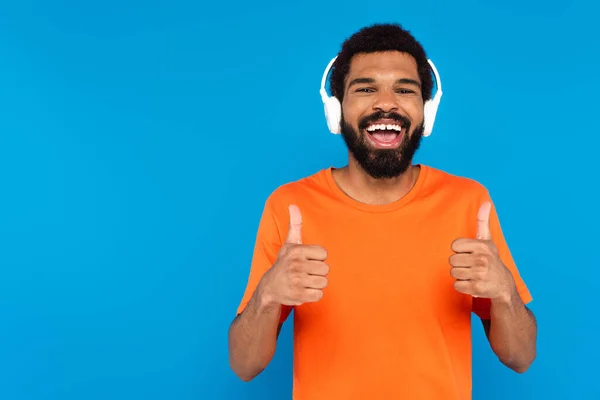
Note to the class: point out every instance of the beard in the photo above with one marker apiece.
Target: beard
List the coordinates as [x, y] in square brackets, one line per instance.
[382, 163]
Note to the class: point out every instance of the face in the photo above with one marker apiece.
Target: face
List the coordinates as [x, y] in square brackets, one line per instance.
[382, 112]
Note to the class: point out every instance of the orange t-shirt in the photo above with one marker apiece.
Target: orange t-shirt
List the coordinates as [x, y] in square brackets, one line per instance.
[390, 324]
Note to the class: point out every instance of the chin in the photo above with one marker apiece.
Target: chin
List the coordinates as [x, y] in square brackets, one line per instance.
[383, 162]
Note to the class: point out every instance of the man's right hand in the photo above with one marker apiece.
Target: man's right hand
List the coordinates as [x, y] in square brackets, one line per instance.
[299, 274]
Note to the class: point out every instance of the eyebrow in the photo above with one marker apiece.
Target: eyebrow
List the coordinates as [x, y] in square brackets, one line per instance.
[402, 81]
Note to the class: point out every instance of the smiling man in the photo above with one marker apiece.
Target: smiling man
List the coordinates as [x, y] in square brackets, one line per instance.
[383, 261]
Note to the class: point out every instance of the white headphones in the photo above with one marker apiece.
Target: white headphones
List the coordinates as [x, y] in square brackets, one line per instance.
[333, 109]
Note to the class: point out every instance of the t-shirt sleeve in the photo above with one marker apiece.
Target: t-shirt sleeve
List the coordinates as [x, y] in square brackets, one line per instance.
[481, 306]
[267, 244]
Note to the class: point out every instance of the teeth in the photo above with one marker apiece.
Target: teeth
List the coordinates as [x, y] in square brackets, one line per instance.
[382, 127]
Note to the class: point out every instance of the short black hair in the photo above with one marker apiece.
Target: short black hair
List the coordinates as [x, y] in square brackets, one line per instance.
[378, 38]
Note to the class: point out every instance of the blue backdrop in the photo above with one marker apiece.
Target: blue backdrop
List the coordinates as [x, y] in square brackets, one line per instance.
[140, 139]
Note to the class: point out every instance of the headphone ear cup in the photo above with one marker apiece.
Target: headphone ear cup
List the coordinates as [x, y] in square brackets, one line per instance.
[427, 128]
[429, 113]
[333, 114]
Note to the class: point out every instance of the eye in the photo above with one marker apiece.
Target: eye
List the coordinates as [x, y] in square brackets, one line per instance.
[405, 91]
[365, 90]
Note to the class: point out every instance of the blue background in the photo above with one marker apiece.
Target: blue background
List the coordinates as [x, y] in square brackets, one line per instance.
[140, 139]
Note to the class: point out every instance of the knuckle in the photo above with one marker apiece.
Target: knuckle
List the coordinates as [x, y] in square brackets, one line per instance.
[295, 280]
[294, 250]
[295, 265]
[287, 251]
[481, 260]
[485, 247]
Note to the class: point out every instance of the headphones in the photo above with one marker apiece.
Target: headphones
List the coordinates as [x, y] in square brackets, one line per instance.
[333, 108]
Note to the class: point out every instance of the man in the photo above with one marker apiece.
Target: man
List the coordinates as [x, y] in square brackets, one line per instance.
[382, 261]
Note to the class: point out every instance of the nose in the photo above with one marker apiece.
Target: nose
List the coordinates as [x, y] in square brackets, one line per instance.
[386, 101]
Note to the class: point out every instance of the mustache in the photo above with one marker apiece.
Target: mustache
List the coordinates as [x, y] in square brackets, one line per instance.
[364, 122]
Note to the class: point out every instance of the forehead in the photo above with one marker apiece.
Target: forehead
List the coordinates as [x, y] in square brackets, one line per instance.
[383, 65]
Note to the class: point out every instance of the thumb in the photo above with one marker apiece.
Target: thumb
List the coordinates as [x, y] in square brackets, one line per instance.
[483, 222]
[295, 231]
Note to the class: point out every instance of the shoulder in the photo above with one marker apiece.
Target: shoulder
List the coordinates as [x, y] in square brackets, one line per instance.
[455, 185]
[297, 192]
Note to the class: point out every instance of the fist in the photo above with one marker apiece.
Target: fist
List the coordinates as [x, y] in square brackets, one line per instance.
[476, 265]
[300, 273]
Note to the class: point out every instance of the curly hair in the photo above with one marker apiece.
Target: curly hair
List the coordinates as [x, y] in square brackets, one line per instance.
[377, 38]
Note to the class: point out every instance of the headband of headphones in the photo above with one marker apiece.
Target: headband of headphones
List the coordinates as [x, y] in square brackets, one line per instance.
[333, 109]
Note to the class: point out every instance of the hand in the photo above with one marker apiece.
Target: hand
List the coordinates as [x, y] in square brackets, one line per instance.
[477, 266]
[299, 274]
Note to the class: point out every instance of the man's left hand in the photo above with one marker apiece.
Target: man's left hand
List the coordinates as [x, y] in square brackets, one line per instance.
[477, 266]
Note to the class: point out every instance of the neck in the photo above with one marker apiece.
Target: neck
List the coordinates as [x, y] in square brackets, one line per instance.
[360, 186]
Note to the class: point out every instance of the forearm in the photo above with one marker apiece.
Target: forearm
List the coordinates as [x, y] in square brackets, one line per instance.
[253, 337]
[513, 332]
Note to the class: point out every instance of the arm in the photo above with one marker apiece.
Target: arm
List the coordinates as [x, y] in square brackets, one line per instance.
[485, 269]
[253, 333]
[512, 332]
[253, 336]
[296, 277]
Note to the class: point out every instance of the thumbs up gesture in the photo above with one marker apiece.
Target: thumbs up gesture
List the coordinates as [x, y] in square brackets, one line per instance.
[300, 273]
[476, 265]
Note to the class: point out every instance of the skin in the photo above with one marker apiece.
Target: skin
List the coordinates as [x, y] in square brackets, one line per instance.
[300, 272]
[385, 94]
[512, 330]
[298, 276]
